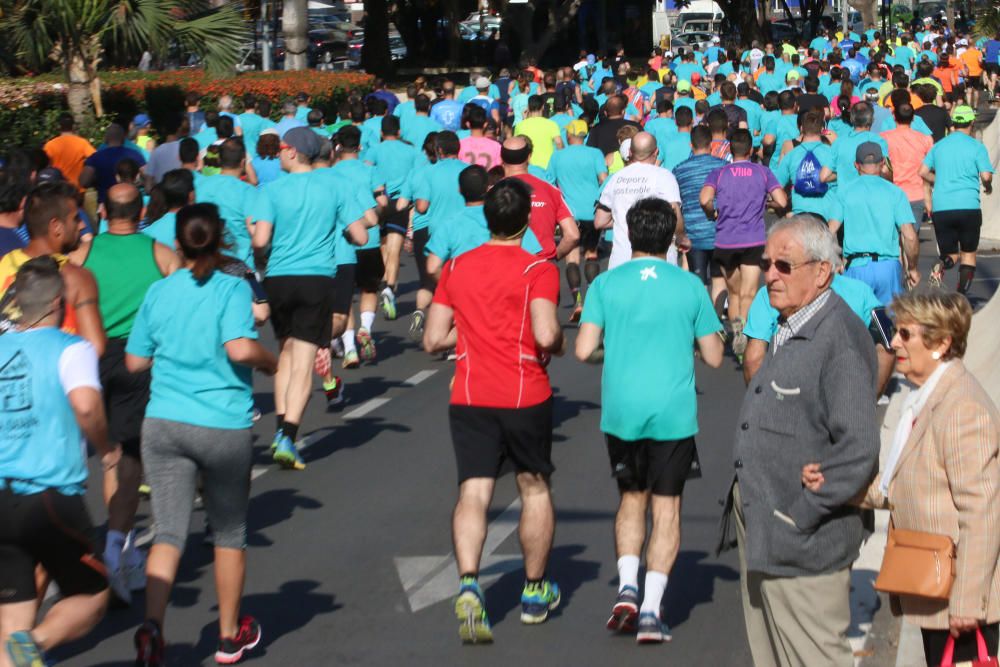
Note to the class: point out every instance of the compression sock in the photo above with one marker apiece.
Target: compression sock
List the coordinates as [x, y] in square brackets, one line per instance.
[573, 277]
[591, 270]
[279, 421]
[628, 572]
[348, 340]
[966, 272]
[652, 595]
[367, 320]
[947, 262]
[291, 430]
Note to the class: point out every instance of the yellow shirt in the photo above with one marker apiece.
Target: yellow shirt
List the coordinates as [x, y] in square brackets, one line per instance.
[9, 266]
[543, 133]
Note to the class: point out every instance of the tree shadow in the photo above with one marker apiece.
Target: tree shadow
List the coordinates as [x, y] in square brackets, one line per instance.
[271, 508]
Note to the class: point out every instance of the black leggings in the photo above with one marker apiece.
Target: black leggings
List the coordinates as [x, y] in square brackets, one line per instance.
[965, 645]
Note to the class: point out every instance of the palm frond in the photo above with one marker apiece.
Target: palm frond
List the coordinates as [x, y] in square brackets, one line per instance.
[215, 35]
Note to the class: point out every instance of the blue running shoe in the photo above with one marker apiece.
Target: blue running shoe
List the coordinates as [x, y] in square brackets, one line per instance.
[470, 609]
[651, 629]
[277, 439]
[537, 600]
[626, 611]
[286, 454]
[23, 650]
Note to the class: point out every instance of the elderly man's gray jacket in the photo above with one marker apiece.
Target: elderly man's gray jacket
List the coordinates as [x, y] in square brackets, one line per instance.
[811, 402]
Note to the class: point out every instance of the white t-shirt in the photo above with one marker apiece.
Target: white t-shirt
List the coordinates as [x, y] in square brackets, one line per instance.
[634, 182]
[78, 367]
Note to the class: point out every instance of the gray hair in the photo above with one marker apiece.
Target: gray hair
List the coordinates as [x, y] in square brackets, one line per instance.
[862, 115]
[815, 237]
[225, 103]
[289, 107]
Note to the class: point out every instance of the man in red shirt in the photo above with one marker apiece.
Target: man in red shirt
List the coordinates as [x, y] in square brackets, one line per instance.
[548, 209]
[496, 305]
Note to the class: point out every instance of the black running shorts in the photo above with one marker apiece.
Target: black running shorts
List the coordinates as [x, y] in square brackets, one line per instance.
[371, 269]
[659, 466]
[420, 239]
[486, 437]
[730, 259]
[957, 230]
[590, 238]
[55, 531]
[125, 397]
[301, 307]
[343, 288]
[393, 221]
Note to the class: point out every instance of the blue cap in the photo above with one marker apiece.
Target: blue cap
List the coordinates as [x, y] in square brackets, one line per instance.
[591, 59]
[142, 120]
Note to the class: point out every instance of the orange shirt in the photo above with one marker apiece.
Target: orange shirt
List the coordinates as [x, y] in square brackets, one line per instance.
[67, 153]
[948, 76]
[973, 60]
[907, 150]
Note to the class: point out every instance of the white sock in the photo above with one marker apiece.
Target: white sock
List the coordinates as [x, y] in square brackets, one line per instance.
[368, 320]
[628, 572]
[652, 596]
[348, 340]
[114, 544]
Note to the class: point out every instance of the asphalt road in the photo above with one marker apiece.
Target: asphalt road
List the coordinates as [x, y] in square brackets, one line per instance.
[343, 553]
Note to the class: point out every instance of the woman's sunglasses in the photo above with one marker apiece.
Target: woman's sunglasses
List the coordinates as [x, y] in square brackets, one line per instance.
[905, 334]
[784, 267]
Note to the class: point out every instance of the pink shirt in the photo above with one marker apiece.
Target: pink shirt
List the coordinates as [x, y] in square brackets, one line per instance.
[480, 150]
[907, 150]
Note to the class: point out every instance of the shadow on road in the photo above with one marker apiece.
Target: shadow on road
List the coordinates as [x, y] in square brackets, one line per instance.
[692, 583]
[271, 508]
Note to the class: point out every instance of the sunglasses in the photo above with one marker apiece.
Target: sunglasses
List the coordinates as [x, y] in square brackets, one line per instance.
[782, 266]
[905, 334]
[284, 147]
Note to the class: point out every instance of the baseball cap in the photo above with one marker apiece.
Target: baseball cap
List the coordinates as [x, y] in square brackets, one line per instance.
[683, 86]
[303, 140]
[577, 128]
[963, 114]
[142, 120]
[49, 175]
[482, 83]
[869, 152]
[792, 74]
[695, 78]
[715, 39]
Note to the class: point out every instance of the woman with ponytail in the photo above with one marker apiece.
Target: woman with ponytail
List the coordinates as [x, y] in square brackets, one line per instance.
[196, 331]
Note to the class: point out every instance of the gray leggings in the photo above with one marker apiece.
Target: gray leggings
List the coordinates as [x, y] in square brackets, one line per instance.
[173, 454]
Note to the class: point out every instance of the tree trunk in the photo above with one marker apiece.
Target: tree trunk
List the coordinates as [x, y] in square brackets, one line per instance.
[80, 96]
[375, 56]
[867, 9]
[949, 11]
[743, 15]
[295, 25]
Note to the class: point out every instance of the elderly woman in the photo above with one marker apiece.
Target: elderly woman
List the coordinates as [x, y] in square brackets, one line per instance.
[942, 475]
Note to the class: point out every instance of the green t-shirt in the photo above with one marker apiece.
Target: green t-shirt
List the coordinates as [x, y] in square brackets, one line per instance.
[651, 312]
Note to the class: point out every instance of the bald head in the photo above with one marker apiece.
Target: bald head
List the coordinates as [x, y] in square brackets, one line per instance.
[643, 147]
[516, 152]
[123, 203]
[615, 106]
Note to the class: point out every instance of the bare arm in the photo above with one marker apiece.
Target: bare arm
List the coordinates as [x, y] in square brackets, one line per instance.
[260, 233]
[81, 293]
[602, 218]
[439, 329]
[434, 266]
[712, 349]
[88, 408]
[987, 179]
[357, 231]
[166, 258]
[422, 205]
[780, 199]
[570, 237]
[88, 177]
[753, 357]
[911, 248]
[588, 341]
[249, 352]
[136, 364]
[707, 201]
[927, 174]
[827, 175]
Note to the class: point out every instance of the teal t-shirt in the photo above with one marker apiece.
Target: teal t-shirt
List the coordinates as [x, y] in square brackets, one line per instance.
[363, 181]
[194, 382]
[416, 129]
[661, 129]
[789, 166]
[845, 150]
[870, 228]
[466, 231]
[308, 210]
[163, 230]
[252, 125]
[784, 127]
[236, 201]
[651, 312]
[576, 171]
[394, 160]
[762, 320]
[676, 149]
[754, 117]
[957, 161]
[439, 186]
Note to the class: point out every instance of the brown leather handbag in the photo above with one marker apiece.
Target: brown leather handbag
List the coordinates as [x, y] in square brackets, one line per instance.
[917, 563]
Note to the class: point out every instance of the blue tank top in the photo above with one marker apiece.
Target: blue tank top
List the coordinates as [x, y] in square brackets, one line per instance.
[41, 445]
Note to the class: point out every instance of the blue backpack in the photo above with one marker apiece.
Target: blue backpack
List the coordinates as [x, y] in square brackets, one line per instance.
[807, 181]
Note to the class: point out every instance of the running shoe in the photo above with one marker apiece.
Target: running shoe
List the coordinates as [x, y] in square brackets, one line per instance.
[257, 414]
[351, 359]
[936, 276]
[23, 650]
[334, 392]
[337, 347]
[470, 608]
[277, 438]
[287, 455]
[577, 309]
[145, 490]
[231, 649]
[651, 629]
[149, 645]
[417, 326]
[626, 610]
[739, 339]
[537, 600]
[367, 345]
[388, 300]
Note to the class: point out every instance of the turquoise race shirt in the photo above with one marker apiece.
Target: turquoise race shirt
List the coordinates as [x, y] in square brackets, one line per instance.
[363, 181]
[438, 184]
[651, 312]
[576, 171]
[194, 382]
[871, 228]
[957, 161]
[395, 161]
[236, 201]
[467, 230]
[163, 230]
[762, 320]
[788, 168]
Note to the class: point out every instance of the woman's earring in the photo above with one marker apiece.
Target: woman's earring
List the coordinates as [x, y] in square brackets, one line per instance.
[935, 355]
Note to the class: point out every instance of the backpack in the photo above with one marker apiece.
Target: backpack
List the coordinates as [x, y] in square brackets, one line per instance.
[807, 182]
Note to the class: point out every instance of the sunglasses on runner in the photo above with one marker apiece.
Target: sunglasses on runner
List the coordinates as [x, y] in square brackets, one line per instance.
[782, 266]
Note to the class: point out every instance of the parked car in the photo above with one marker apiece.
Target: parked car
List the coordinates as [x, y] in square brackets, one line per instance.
[783, 30]
[692, 40]
[397, 50]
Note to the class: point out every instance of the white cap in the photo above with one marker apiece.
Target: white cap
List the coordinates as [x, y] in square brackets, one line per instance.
[715, 39]
[482, 83]
[963, 42]
[626, 149]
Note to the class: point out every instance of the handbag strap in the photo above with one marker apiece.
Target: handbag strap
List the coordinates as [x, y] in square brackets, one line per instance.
[947, 656]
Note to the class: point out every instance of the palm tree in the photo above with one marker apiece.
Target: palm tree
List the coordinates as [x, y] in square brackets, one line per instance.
[295, 24]
[77, 34]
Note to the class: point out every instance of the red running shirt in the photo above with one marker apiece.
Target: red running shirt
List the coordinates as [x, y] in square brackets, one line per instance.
[490, 290]
[547, 208]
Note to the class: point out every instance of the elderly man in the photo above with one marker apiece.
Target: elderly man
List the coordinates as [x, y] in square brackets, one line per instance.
[813, 397]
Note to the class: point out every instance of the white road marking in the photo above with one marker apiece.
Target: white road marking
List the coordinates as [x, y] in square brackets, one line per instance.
[428, 580]
[419, 377]
[365, 408]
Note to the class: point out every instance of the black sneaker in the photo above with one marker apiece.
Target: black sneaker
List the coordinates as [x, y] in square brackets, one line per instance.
[149, 645]
[231, 649]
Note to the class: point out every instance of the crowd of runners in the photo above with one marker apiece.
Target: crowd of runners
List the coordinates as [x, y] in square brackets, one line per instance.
[667, 169]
